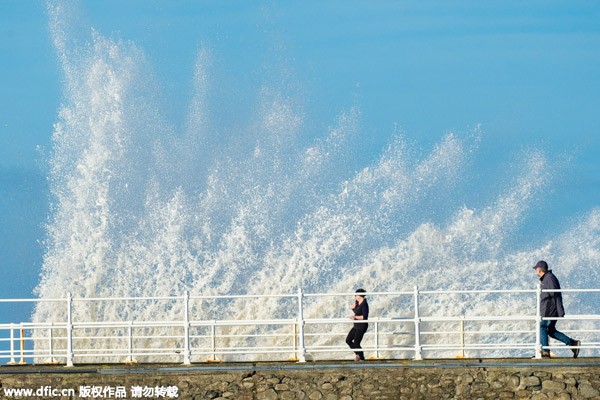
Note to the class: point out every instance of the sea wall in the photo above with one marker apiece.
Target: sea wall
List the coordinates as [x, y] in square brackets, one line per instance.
[492, 380]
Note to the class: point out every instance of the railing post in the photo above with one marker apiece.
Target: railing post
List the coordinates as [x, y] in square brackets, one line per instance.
[462, 337]
[22, 331]
[538, 322]
[130, 340]
[294, 342]
[12, 344]
[376, 339]
[186, 328]
[417, 326]
[69, 330]
[50, 345]
[301, 348]
[213, 332]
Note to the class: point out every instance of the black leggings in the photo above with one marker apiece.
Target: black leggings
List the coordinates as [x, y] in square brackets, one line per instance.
[354, 338]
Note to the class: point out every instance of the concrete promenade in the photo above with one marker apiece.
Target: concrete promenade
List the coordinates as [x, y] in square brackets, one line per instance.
[557, 378]
[152, 368]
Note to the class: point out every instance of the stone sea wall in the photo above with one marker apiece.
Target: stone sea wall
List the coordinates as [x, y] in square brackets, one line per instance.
[348, 382]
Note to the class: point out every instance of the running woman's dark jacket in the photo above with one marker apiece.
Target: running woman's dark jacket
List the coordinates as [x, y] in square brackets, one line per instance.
[361, 309]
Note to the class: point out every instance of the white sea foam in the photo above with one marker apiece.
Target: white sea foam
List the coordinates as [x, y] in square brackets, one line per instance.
[139, 210]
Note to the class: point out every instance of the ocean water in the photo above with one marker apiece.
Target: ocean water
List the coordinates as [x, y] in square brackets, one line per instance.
[140, 208]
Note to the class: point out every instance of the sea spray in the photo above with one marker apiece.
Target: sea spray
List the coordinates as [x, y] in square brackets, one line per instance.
[140, 209]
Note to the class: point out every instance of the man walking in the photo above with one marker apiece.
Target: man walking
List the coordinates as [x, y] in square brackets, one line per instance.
[551, 306]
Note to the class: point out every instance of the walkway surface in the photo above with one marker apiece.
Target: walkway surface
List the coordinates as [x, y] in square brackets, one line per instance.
[282, 366]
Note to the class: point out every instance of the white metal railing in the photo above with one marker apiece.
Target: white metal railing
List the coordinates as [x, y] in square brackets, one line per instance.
[190, 338]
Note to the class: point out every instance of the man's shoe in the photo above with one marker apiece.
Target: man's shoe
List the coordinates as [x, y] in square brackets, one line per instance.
[357, 359]
[545, 354]
[575, 351]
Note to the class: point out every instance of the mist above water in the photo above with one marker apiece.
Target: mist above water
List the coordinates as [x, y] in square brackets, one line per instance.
[140, 208]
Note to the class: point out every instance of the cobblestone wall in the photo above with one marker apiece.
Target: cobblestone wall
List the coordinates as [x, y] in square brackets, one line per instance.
[543, 382]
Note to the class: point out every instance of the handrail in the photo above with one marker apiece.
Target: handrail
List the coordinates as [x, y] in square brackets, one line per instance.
[71, 339]
[237, 296]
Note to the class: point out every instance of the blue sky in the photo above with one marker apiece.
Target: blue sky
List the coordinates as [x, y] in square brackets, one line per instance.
[527, 73]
